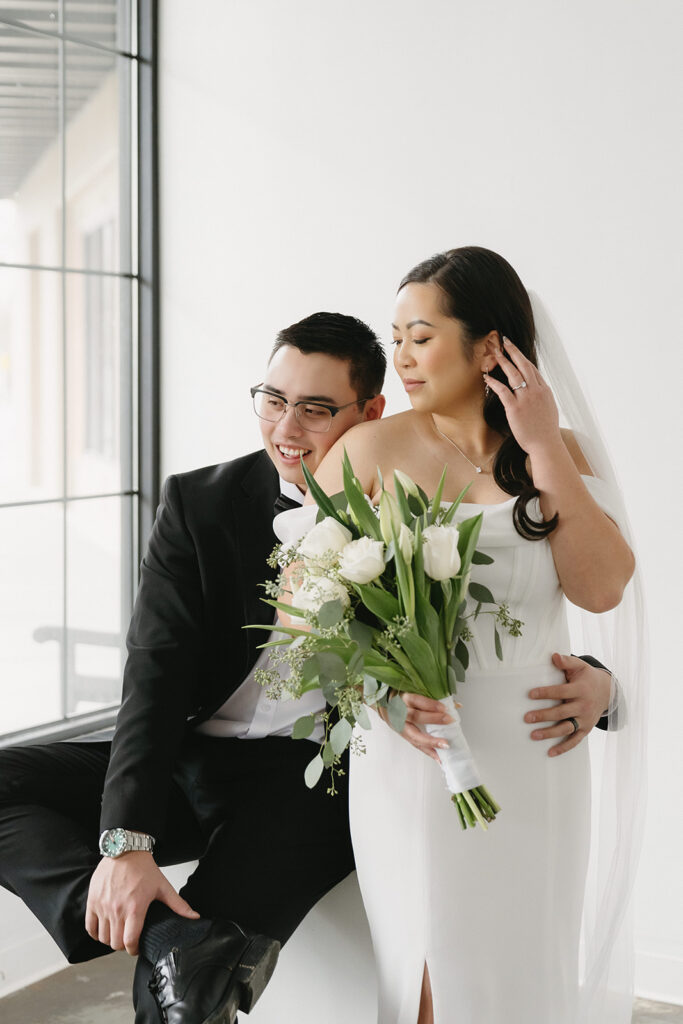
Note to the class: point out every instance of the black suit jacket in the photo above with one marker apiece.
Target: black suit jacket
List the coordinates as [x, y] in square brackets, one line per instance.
[187, 650]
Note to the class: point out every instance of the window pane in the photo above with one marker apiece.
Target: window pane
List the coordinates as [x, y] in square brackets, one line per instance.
[31, 598]
[105, 22]
[30, 152]
[96, 158]
[99, 585]
[31, 466]
[99, 379]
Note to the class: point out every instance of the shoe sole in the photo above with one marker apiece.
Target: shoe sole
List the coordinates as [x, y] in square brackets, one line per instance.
[248, 980]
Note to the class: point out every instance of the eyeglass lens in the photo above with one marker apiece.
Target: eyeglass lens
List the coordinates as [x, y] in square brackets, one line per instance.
[310, 416]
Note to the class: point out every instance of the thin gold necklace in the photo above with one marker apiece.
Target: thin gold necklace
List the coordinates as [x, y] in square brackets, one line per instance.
[479, 469]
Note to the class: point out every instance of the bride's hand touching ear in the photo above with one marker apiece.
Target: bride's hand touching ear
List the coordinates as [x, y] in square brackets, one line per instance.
[527, 399]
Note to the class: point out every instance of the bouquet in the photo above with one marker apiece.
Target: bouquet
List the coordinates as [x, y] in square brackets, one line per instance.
[383, 595]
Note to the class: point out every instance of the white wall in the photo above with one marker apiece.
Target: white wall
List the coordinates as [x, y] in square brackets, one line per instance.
[313, 152]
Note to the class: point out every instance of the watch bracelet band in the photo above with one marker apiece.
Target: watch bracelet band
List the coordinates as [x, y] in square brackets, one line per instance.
[139, 841]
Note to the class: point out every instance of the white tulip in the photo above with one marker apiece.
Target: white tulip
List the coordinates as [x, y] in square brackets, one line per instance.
[408, 485]
[390, 520]
[440, 551]
[315, 591]
[406, 542]
[327, 538]
[362, 560]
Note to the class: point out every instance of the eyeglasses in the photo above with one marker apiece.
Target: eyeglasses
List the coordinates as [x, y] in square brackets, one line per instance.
[314, 416]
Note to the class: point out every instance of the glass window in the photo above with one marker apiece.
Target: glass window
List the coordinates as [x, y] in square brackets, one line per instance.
[69, 289]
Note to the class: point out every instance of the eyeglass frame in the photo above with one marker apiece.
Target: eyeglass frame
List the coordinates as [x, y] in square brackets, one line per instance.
[332, 409]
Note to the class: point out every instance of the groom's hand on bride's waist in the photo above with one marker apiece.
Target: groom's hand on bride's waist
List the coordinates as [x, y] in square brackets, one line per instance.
[584, 697]
[421, 711]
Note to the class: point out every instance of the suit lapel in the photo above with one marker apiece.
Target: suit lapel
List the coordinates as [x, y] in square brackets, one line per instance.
[253, 518]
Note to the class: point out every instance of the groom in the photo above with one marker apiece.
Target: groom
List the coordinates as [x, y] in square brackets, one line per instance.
[202, 765]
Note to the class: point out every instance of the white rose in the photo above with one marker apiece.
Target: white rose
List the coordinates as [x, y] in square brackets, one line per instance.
[440, 551]
[315, 591]
[327, 537]
[362, 560]
[406, 542]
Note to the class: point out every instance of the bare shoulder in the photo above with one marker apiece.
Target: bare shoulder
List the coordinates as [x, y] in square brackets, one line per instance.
[364, 445]
[574, 449]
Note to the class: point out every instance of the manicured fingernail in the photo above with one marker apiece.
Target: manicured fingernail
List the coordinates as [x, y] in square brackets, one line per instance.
[447, 718]
[442, 744]
[506, 341]
[553, 753]
[537, 735]
[533, 693]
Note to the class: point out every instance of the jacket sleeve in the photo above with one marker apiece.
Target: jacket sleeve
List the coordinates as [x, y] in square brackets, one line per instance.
[602, 722]
[162, 675]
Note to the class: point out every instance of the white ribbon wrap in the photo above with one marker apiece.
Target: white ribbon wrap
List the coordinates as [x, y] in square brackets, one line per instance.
[457, 763]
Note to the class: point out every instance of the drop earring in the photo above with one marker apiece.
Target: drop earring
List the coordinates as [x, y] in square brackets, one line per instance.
[487, 389]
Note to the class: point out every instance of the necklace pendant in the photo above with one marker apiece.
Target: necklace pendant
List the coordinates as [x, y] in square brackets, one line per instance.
[478, 469]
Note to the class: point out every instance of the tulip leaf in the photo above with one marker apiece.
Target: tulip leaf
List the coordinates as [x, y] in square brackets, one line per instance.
[436, 500]
[303, 727]
[324, 503]
[314, 770]
[361, 511]
[356, 662]
[452, 680]
[378, 601]
[481, 593]
[458, 668]
[340, 734]
[361, 633]
[453, 508]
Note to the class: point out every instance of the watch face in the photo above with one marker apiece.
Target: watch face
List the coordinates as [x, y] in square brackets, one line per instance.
[113, 842]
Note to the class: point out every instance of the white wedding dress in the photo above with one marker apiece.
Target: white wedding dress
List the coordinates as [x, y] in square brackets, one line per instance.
[496, 915]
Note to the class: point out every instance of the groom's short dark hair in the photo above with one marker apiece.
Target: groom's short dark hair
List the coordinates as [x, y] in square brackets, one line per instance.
[344, 337]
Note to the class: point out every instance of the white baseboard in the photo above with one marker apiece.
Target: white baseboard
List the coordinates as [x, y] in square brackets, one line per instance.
[29, 961]
[659, 976]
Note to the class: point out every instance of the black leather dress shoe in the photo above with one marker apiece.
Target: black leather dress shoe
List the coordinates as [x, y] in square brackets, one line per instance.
[209, 982]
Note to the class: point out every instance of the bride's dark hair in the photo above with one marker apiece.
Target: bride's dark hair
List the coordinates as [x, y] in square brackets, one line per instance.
[482, 291]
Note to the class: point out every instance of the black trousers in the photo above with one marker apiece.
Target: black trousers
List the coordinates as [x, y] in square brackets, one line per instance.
[268, 847]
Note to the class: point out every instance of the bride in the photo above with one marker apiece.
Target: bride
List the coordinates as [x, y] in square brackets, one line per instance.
[517, 925]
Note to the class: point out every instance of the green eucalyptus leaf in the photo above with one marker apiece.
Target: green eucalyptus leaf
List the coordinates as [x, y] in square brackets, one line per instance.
[330, 614]
[328, 755]
[458, 669]
[479, 558]
[370, 686]
[332, 666]
[330, 692]
[310, 669]
[481, 593]
[499, 646]
[363, 718]
[340, 734]
[303, 727]
[462, 654]
[397, 713]
[314, 770]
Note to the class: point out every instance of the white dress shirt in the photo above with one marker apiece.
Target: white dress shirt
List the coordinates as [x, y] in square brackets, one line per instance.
[248, 714]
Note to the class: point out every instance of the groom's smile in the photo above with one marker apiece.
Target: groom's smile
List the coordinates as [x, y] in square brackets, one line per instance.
[317, 380]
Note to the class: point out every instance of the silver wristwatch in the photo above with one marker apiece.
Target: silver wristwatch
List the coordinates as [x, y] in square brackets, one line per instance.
[115, 841]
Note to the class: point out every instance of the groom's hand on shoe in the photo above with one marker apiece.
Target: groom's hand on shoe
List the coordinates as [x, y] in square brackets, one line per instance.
[121, 890]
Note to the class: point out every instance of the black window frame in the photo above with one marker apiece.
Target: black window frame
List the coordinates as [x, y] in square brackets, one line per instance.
[99, 723]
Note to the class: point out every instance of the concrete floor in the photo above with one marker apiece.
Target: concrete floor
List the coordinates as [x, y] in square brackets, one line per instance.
[99, 993]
